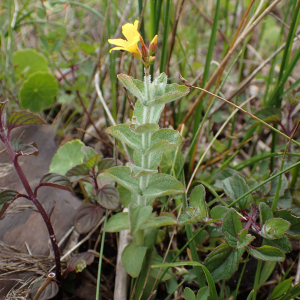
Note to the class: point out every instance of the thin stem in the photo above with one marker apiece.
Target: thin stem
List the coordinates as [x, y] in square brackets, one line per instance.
[100, 257]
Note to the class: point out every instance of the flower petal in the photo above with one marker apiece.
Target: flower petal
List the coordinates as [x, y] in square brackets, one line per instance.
[129, 31]
[118, 42]
[117, 48]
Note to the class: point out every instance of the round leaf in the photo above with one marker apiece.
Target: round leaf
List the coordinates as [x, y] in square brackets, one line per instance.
[87, 216]
[275, 228]
[66, 157]
[28, 61]
[38, 91]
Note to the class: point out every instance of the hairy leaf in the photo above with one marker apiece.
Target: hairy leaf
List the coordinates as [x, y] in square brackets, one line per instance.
[188, 294]
[173, 92]
[223, 261]
[218, 212]
[118, 222]
[197, 200]
[138, 171]
[123, 133]
[153, 113]
[132, 258]
[244, 239]
[164, 138]
[137, 216]
[275, 228]
[235, 186]
[265, 213]
[294, 230]
[122, 175]
[161, 185]
[134, 86]
[266, 253]
[282, 244]
[165, 219]
[144, 128]
[232, 227]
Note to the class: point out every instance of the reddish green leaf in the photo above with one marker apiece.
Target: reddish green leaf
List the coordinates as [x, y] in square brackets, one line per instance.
[87, 216]
[79, 262]
[25, 149]
[78, 172]
[55, 180]
[8, 195]
[3, 112]
[23, 118]
[108, 197]
[107, 163]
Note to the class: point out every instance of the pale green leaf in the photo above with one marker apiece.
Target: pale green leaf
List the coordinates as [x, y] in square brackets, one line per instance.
[38, 91]
[66, 157]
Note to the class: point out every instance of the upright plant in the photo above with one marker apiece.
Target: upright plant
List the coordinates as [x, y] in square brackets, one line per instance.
[234, 221]
[16, 148]
[147, 140]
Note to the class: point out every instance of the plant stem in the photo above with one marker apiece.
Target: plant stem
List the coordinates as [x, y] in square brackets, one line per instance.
[100, 257]
[37, 203]
[146, 137]
[256, 280]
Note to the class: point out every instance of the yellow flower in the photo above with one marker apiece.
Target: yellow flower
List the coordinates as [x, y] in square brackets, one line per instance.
[133, 37]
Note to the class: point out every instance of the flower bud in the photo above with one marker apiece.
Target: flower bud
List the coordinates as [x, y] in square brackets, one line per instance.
[151, 60]
[145, 51]
[153, 45]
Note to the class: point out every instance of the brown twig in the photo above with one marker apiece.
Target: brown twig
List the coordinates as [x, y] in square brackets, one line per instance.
[50, 277]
